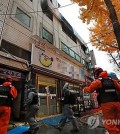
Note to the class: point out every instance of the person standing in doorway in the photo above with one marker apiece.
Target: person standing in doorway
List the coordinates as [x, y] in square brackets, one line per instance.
[32, 107]
[7, 94]
[68, 102]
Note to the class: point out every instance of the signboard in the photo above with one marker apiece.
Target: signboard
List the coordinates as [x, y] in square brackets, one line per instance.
[47, 58]
[11, 73]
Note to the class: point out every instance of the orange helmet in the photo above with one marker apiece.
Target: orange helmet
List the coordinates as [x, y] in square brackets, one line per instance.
[103, 74]
[9, 78]
[97, 71]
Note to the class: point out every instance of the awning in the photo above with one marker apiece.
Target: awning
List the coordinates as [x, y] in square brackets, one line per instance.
[44, 71]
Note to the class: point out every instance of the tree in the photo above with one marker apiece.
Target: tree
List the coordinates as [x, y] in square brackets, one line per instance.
[105, 16]
[115, 59]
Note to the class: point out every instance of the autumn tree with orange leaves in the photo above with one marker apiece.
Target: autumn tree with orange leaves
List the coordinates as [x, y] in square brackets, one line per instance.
[105, 16]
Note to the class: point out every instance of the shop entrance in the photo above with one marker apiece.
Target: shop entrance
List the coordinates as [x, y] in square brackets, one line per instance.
[47, 88]
[15, 113]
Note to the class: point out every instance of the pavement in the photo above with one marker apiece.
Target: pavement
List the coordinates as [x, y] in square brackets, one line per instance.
[97, 113]
[82, 122]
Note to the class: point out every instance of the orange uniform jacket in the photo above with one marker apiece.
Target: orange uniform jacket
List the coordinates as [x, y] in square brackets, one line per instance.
[96, 84]
[109, 107]
[5, 111]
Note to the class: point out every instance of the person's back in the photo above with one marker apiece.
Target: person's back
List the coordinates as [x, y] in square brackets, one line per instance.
[107, 92]
[7, 94]
[67, 109]
[32, 107]
[110, 105]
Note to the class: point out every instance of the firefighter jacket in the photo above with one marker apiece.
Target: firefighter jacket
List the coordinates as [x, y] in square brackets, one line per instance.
[7, 94]
[106, 87]
[108, 91]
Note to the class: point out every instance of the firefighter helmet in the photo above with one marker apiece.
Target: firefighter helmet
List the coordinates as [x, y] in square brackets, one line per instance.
[112, 75]
[97, 71]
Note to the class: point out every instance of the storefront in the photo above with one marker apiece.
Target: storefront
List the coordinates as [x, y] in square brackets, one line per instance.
[18, 81]
[18, 69]
[49, 98]
[47, 89]
[51, 71]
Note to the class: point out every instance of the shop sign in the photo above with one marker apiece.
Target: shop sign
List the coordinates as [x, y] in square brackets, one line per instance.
[46, 58]
[11, 73]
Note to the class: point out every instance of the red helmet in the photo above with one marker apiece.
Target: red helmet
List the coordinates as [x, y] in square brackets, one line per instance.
[103, 74]
[97, 71]
[9, 78]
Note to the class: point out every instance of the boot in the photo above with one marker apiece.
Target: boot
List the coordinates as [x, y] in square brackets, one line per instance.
[61, 124]
[75, 126]
[32, 131]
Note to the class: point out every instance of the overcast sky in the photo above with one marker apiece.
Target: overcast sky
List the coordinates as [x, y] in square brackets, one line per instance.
[71, 13]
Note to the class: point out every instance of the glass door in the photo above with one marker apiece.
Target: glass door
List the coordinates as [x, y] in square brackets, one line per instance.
[47, 88]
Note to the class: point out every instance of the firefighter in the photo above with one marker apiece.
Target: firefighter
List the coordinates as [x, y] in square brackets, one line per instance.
[32, 106]
[7, 93]
[110, 105]
[68, 102]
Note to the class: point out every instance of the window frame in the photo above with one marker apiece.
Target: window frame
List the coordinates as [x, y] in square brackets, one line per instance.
[49, 33]
[15, 50]
[13, 16]
[71, 51]
[84, 62]
[78, 56]
[67, 52]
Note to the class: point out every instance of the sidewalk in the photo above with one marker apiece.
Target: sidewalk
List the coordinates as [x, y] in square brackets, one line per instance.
[47, 126]
[92, 113]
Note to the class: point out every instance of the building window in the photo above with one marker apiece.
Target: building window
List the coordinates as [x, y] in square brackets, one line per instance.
[21, 17]
[83, 62]
[15, 50]
[72, 53]
[77, 57]
[64, 48]
[89, 65]
[87, 51]
[47, 35]
[48, 13]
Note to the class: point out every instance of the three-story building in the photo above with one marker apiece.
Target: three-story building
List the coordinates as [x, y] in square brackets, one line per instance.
[39, 44]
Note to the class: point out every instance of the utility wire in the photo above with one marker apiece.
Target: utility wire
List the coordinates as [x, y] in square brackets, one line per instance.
[34, 39]
[15, 58]
[47, 22]
[37, 11]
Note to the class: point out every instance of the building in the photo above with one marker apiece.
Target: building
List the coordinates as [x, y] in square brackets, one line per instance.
[39, 44]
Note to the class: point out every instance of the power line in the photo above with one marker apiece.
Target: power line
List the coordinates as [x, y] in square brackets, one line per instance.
[36, 40]
[37, 11]
[44, 20]
[24, 33]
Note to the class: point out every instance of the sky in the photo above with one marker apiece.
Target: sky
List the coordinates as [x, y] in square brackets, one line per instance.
[71, 13]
